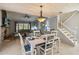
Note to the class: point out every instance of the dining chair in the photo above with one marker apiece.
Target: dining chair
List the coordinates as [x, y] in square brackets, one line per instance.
[51, 45]
[26, 48]
[56, 45]
[54, 32]
[36, 33]
[47, 47]
[33, 51]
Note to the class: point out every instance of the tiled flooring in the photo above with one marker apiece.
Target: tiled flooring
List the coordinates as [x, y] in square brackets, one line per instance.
[69, 50]
[13, 48]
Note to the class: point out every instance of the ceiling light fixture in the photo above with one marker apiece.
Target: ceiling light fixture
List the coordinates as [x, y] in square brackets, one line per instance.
[41, 18]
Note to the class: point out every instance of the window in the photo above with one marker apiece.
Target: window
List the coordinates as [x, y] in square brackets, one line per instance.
[22, 26]
[26, 26]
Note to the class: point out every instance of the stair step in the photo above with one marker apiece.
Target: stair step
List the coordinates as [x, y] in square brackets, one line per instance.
[74, 40]
[65, 32]
[63, 29]
[69, 35]
[72, 37]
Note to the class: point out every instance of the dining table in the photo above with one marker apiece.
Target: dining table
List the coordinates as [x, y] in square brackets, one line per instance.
[38, 40]
[34, 42]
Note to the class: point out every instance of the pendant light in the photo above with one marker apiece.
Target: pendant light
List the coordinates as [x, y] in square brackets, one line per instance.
[41, 18]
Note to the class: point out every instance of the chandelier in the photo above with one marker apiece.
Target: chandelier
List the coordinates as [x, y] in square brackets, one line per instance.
[41, 18]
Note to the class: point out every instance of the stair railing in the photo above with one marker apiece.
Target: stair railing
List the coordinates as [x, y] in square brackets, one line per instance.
[75, 12]
[68, 29]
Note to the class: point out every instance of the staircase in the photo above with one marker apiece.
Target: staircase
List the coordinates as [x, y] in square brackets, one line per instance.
[66, 35]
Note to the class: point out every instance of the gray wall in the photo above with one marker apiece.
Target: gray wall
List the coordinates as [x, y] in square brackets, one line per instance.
[12, 26]
[20, 17]
[52, 22]
[17, 17]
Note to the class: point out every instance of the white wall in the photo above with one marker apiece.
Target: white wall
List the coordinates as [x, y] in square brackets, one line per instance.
[73, 24]
[65, 16]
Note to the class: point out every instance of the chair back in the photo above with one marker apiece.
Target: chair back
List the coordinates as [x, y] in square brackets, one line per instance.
[36, 33]
[49, 38]
[26, 46]
[49, 42]
[54, 32]
[22, 43]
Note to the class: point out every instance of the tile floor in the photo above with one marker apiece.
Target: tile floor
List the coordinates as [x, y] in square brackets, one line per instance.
[69, 50]
[13, 48]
